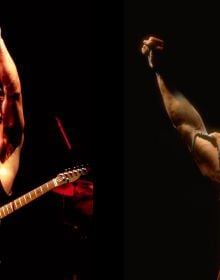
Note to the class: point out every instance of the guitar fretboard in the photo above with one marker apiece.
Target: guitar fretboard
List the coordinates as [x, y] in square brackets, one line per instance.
[62, 178]
[26, 198]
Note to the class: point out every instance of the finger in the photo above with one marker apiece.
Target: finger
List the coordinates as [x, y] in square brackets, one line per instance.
[145, 49]
[151, 42]
[155, 39]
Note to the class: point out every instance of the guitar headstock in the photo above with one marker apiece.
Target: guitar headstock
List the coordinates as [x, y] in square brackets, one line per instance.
[71, 175]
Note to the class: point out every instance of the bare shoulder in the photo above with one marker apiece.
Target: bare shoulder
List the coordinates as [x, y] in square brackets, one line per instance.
[206, 153]
[215, 134]
[207, 143]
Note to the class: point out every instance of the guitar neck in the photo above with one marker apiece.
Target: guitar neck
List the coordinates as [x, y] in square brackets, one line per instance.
[23, 200]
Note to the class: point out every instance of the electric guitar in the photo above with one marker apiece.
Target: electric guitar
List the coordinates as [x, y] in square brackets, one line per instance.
[62, 178]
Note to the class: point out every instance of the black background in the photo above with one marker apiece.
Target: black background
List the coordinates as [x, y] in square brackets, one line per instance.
[171, 212]
[52, 47]
[52, 50]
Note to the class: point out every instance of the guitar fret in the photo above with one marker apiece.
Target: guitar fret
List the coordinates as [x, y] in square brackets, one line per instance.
[7, 209]
[23, 200]
[32, 195]
[11, 205]
[62, 178]
[55, 182]
[15, 202]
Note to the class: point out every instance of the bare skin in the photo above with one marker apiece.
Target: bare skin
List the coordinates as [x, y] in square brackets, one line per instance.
[11, 119]
[185, 118]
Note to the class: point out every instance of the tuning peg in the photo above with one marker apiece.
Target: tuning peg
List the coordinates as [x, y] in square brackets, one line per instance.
[75, 172]
[84, 171]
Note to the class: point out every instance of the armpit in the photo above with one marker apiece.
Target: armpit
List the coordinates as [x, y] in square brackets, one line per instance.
[206, 136]
[206, 154]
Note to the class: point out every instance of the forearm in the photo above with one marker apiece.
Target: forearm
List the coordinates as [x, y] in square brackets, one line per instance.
[185, 118]
[181, 112]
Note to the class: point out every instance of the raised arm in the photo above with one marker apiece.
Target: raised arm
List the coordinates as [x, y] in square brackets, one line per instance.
[11, 118]
[184, 116]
